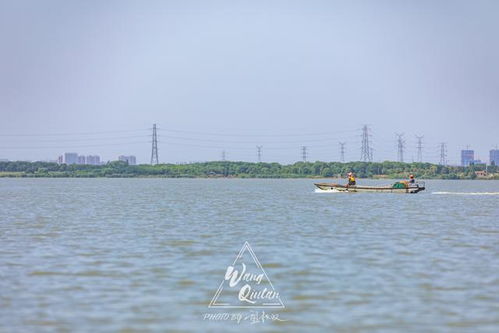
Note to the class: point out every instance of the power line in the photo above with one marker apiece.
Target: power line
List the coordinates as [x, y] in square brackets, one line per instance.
[221, 146]
[283, 142]
[224, 140]
[154, 152]
[366, 153]
[259, 153]
[77, 146]
[59, 140]
[420, 148]
[253, 135]
[342, 152]
[72, 133]
[400, 147]
[443, 153]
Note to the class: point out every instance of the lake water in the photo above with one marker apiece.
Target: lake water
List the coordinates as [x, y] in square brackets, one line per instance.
[149, 254]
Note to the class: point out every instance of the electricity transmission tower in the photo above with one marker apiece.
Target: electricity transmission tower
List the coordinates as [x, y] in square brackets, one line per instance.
[366, 154]
[304, 153]
[420, 148]
[154, 152]
[342, 152]
[259, 153]
[400, 147]
[223, 155]
[443, 153]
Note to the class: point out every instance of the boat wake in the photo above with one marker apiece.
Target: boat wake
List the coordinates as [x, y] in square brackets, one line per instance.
[467, 193]
[318, 190]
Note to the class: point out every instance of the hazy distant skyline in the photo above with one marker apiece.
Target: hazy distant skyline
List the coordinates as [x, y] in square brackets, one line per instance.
[226, 75]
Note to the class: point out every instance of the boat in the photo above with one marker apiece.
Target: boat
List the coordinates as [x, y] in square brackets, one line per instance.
[398, 187]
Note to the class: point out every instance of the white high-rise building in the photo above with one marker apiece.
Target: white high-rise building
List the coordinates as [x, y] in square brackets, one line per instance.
[93, 159]
[70, 158]
[494, 156]
[131, 160]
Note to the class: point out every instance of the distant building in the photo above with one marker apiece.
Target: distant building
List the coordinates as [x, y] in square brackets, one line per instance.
[93, 160]
[60, 159]
[70, 158]
[494, 156]
[467, 157]
[81, 159]
[129, 159]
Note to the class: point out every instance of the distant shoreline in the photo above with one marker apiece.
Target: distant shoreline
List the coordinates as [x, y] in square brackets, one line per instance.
[226, 178]
[225, 169]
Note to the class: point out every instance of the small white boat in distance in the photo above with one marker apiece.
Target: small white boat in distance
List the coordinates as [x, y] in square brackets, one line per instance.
[399, 187]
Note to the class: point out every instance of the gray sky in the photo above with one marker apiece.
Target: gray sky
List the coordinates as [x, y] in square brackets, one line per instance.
[231, 75]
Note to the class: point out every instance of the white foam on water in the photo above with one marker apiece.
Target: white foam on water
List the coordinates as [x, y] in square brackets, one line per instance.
[318, 190]
[467, 193]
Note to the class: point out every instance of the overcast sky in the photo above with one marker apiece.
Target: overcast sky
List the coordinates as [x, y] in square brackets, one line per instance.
[93, 76]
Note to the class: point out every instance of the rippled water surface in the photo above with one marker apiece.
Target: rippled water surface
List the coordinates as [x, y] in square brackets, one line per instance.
[149, 254]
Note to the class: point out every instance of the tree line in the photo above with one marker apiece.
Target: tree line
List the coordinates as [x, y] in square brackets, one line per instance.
[385, 169]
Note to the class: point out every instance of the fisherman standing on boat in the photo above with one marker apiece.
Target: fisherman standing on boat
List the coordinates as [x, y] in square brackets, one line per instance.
[411, 179]
[351, 179]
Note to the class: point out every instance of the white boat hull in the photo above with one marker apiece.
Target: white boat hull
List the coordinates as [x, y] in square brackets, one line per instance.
[412, 188]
